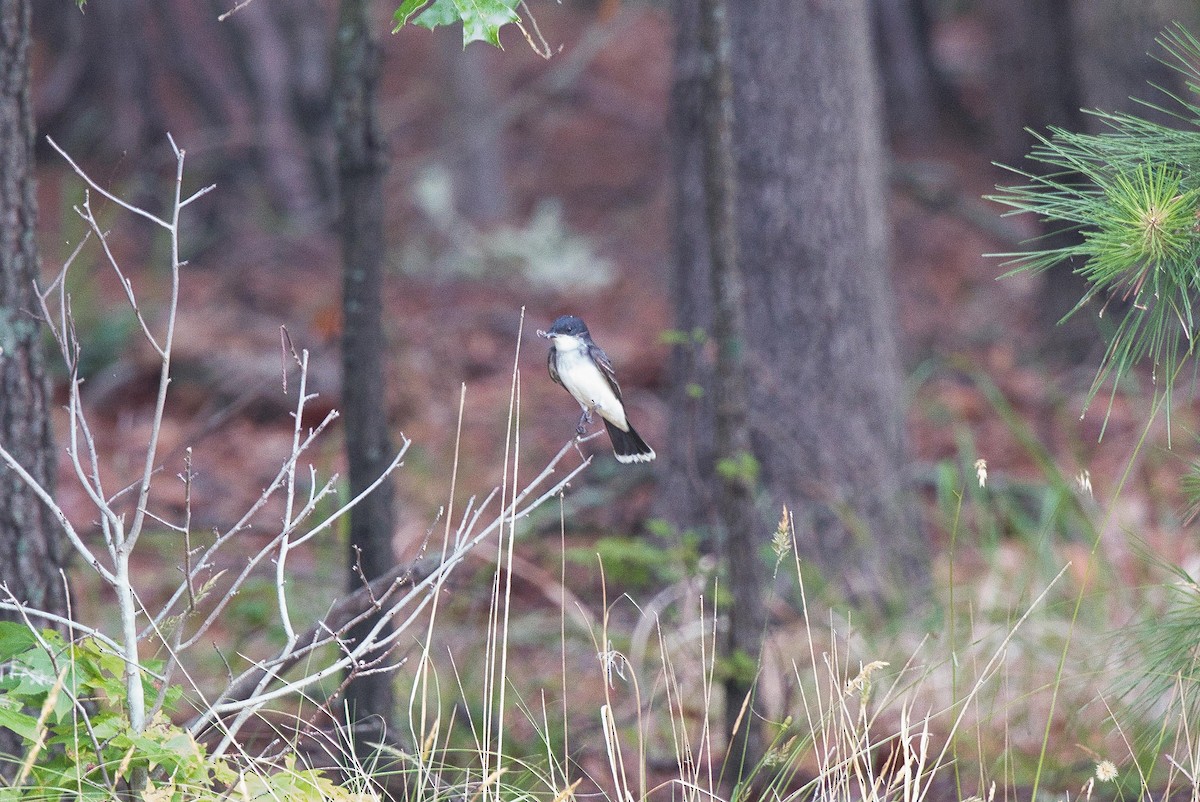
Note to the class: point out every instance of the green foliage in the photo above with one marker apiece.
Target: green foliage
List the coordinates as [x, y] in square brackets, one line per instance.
[641, 563]
[481, 19]
[1130, 198]
[696, 337]
[738, 665]
[1167, 642]
[741, 467]
[66, 701]
[1189, 484]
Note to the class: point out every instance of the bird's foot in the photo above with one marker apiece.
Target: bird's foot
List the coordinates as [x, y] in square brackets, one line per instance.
[584, 420]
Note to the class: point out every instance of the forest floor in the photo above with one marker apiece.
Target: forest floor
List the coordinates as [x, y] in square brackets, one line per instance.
[592, 137]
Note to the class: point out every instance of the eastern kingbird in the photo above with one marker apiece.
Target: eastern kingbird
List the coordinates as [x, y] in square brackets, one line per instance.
[582, 367]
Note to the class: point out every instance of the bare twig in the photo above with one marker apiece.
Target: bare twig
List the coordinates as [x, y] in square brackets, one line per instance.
[248, 691]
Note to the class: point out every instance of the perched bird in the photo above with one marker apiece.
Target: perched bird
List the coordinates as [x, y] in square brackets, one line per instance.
[582, 367]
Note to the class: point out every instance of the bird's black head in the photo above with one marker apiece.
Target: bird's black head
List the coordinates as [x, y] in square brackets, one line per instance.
[568, 324]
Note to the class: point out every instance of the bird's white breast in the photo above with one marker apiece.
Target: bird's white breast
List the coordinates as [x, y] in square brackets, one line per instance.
[583, 378]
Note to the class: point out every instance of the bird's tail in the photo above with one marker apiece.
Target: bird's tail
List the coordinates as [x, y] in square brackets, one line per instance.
[628, 446]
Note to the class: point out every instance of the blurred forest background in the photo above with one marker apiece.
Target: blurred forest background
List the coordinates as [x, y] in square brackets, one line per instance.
[517, 181]
[521, 181]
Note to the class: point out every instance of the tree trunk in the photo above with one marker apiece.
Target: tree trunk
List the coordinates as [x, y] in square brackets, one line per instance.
[1033, 81]
[1050, 59]
[481, 190]
[735, 487]
[1116, 57]
[911, 87]
[826, 388]
[32, 548]
[255, 84]
[825, 392]
[687, 476]
[361, 167]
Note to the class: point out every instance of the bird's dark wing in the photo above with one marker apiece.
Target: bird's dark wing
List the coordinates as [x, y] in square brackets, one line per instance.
[552, 368]
[596, 353]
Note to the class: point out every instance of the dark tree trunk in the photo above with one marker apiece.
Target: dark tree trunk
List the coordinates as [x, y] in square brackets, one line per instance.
[825, 392]
[687, 475]
[1033, 84]
[1116, 57]
[1033, 81]
[1050, 59]
[740, 524]
[361, 166]
[32, 547]
[911, 89]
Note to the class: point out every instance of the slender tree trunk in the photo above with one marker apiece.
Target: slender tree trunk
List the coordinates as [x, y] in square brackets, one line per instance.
[32, 549]
[741, 531]
[361, 167]
[910, 84]
[687, 475]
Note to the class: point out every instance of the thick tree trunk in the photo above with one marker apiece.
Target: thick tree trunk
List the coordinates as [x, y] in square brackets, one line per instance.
[32, 549]
[825, 392]
[827, 396]
[361, 167]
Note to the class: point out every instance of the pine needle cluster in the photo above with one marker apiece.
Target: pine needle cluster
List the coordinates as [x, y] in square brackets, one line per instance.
[1126, 203]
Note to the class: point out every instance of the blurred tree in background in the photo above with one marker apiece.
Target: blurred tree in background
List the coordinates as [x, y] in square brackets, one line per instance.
[252, 91]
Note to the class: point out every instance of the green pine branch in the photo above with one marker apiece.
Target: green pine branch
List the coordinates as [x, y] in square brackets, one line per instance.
[1129, 200]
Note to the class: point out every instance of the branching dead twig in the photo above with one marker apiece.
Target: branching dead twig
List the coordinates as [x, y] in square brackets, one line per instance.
[248, 693]
[184, 619]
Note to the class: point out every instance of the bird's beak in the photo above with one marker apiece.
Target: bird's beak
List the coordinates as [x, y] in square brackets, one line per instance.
[545, 334]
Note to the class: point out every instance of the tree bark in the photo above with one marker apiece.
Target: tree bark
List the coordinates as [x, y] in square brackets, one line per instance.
[32, 547]
[824, 385]
[826, 390]
[740, 524]
[361, 165]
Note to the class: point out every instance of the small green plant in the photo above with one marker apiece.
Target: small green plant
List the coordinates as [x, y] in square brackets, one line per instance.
[66, 700]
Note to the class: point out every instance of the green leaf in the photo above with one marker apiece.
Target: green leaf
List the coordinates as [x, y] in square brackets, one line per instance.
[20, 723]
[405, 12]
[14, 639]
[741, 467]
[481, 19]
[440, 12]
